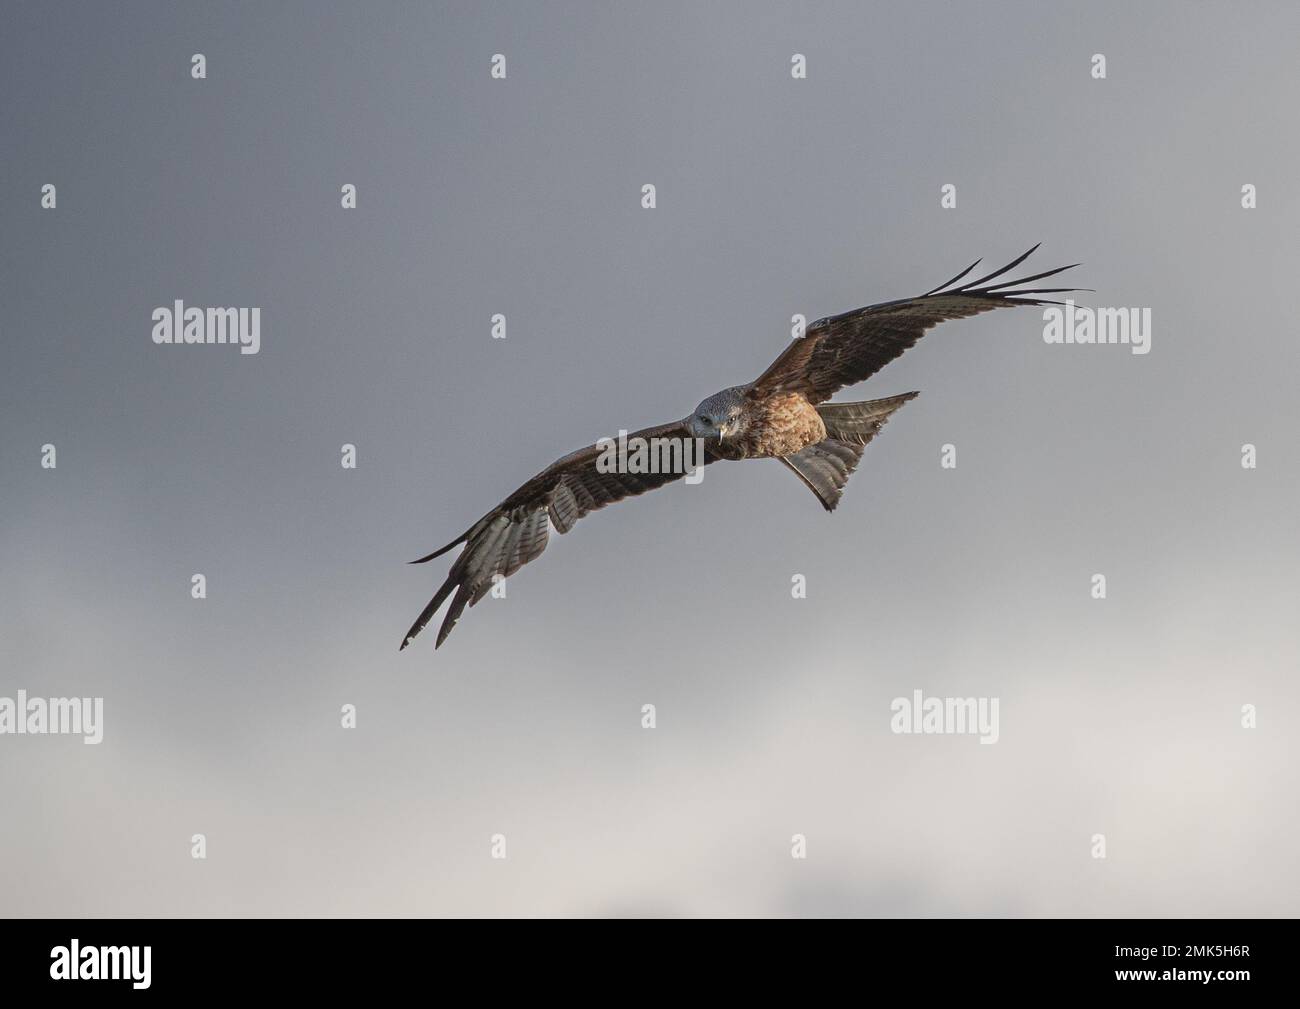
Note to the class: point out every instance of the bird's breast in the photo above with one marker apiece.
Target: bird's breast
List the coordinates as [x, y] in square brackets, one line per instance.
[781, 425]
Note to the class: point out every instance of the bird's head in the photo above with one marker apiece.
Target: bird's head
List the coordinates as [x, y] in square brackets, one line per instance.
[720, 416]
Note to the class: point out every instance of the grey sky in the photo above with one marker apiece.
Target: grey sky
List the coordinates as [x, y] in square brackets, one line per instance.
[522, 196]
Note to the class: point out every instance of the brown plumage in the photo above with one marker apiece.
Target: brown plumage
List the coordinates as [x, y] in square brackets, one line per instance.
[781, 415]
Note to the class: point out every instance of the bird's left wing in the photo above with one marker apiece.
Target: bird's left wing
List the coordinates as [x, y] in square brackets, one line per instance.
[515, 531]
[849, 348]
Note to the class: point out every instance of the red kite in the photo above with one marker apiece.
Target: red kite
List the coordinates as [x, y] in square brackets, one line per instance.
[783, 415]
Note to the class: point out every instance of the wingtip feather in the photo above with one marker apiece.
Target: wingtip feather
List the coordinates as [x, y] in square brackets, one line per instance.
[950, 282]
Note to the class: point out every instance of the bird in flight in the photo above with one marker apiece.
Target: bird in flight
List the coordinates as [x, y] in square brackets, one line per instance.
[782, 415]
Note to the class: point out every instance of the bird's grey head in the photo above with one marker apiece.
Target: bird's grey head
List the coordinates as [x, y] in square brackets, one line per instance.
[721, 415]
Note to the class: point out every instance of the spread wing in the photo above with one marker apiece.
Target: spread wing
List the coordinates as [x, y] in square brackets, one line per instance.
[515, 531]
[849, 348]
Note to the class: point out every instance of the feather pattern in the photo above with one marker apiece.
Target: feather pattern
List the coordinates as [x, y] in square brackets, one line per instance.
[516, 531]
[843, 349]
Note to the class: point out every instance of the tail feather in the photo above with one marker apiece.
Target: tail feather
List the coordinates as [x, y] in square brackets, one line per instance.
[826, 466]
[858, 423]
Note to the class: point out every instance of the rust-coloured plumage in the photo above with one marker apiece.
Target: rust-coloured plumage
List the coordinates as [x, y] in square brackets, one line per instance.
[782, 415]
[775, 426]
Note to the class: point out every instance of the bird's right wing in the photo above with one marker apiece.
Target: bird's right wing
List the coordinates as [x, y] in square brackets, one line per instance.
[844, 349]
[515, 531]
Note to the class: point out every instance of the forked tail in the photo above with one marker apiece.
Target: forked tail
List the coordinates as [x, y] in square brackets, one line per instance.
[826, 466]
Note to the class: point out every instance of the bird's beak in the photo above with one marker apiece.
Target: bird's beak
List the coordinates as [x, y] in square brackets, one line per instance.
[723, 431]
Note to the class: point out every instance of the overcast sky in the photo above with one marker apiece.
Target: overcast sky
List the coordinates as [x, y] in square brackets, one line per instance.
[1119, 717]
